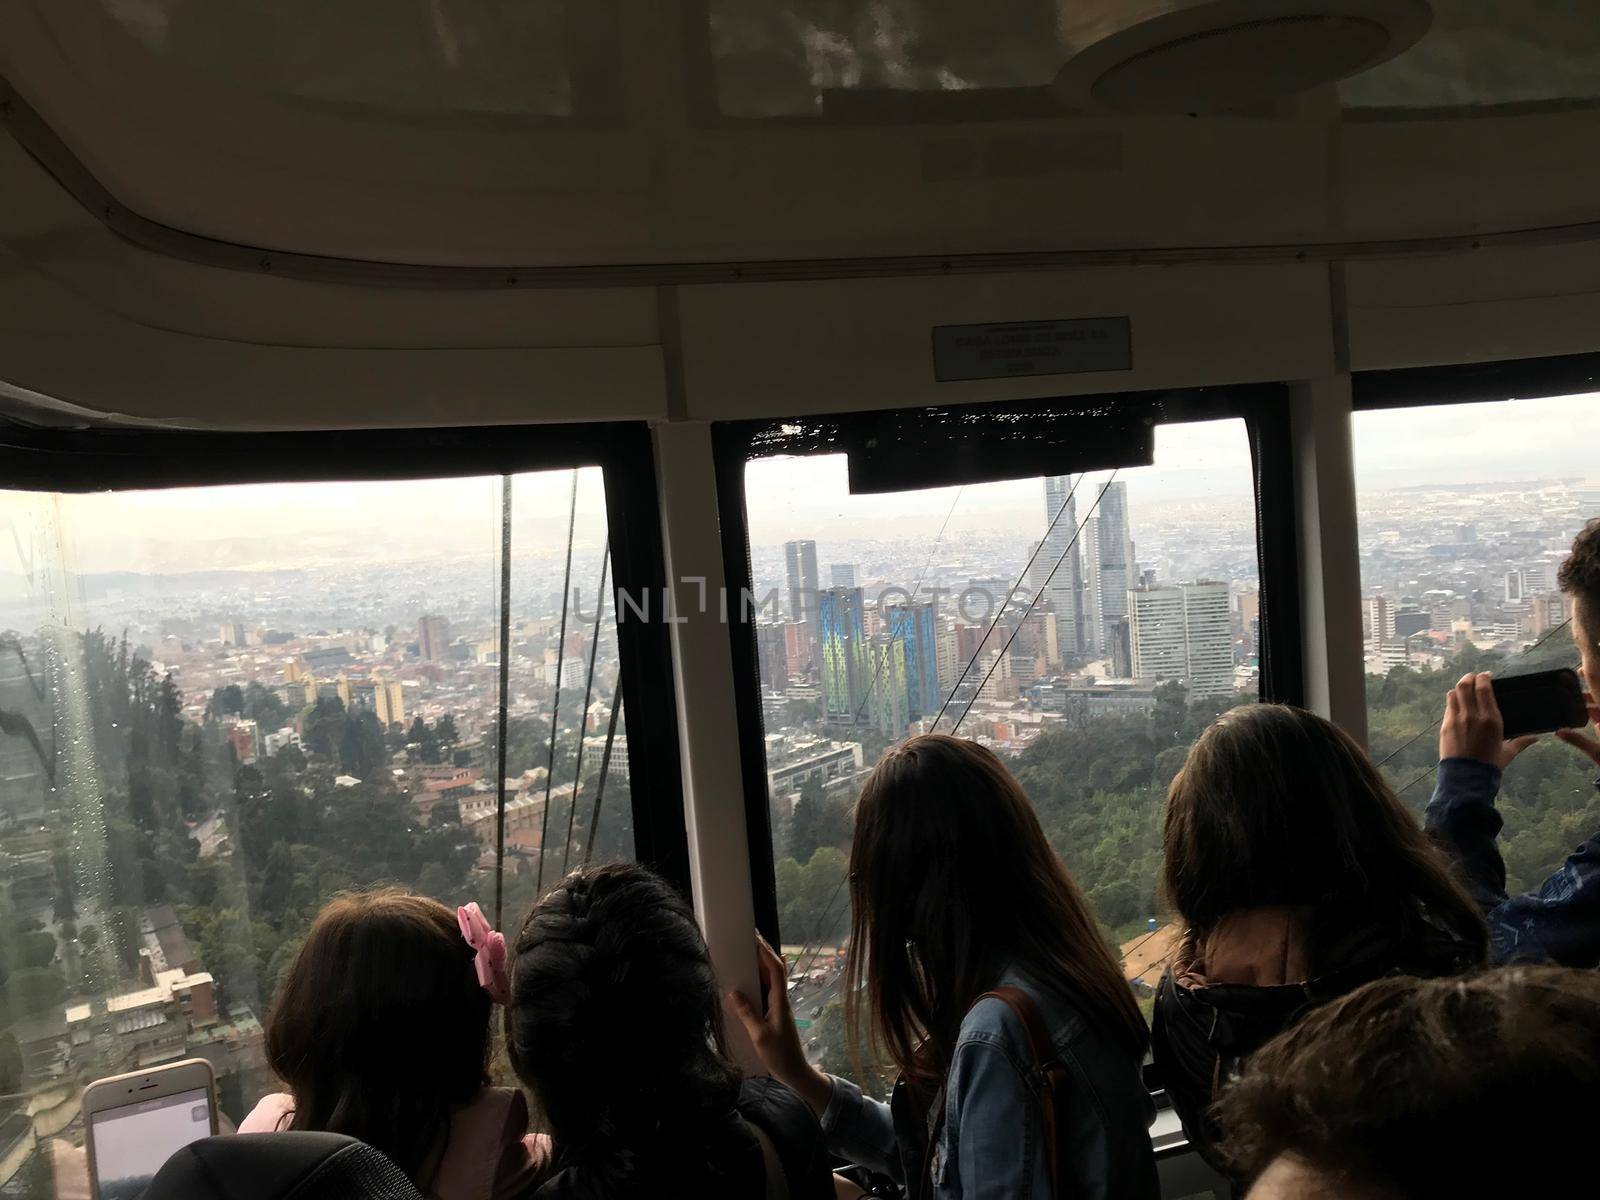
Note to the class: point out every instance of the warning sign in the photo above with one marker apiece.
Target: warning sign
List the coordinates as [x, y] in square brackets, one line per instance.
[1032, 348]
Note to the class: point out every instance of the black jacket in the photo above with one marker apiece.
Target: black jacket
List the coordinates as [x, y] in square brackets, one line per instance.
[1201, 1036]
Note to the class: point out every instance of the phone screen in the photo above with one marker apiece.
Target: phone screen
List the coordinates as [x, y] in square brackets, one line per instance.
[133, 1142]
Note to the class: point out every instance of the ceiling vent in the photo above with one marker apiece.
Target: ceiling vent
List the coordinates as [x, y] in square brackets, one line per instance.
[1206, 56]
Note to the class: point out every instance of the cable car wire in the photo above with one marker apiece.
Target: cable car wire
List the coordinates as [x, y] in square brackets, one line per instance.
[1017, 628]
[1408, 743]
[555, 704]
[605, 766]
[822, 924]
[588, 691]
[1028, 566]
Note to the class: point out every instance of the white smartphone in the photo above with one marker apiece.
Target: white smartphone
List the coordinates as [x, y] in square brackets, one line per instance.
[135, 1122]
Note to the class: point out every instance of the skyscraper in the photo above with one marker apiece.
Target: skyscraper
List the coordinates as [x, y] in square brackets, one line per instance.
[1065, 590]
[433, 635]
[1183, 631]
[842, 574]
[1380, 616]
[800, 564]
[772, 655]
[884, 675]
[914, 626]
[1108, 560]
[842, 638]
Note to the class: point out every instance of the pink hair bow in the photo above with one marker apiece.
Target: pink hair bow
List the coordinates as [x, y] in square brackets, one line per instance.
[491, 952]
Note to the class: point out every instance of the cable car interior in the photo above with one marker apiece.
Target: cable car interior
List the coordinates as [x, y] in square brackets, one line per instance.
[453, 445]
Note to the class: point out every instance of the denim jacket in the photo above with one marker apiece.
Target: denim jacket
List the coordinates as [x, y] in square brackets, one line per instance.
[1560, 922]
[991, 1143]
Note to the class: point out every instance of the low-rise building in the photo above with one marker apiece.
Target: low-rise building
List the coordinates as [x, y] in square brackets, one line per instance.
[793, 762]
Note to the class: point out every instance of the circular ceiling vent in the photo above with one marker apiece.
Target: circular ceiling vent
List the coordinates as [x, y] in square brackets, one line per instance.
[1190, 56]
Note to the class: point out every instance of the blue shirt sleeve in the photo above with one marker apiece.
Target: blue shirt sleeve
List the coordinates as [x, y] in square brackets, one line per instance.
[1560, 922]
[1462, 820]
[861, 1130]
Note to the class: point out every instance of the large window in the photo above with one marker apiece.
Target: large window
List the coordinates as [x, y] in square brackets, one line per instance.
[220, 705]
[1085, 625]
[1466, 513]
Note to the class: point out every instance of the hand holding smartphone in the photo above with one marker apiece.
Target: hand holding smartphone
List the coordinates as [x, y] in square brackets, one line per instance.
[135, 1122]
[1541, 702]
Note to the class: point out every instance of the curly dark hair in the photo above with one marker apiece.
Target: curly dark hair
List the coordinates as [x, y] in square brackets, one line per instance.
[616, 1026]
[1579, 576]
[1477, 1086]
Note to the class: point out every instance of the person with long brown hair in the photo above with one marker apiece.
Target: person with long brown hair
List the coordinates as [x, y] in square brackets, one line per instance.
[956, 893]
[380, 1031]
[1298, 876]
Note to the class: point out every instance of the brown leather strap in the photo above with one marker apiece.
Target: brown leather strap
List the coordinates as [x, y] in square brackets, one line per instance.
[1045, 1062]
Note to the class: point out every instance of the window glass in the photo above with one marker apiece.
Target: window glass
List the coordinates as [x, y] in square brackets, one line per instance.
[568, 668]
[778, 58]
[1085, 628]
[218, 706]
[1466, 513]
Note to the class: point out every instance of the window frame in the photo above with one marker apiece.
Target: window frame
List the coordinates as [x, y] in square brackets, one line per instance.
[121, 458]
[1264, 408]
[1475, 383]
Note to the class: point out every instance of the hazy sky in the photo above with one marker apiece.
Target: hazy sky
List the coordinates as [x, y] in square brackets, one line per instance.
[263, 525]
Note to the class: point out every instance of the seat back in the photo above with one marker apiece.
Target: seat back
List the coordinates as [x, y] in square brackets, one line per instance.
[280, 1166]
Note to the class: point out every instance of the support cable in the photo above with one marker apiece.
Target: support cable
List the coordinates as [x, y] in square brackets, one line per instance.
[822, 925]
[1028, 566]
[1017, 628]
[588, 691]
[555, 704]
[600, 786]
[1439, 720]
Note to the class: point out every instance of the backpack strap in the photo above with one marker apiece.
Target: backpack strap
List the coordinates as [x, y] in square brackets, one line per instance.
[1049, 1071]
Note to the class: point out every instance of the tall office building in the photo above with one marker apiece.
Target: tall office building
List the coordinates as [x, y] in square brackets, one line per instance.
[886, 680]
[1380, 617]
[1065, 590]
[800, 567]
[842, 575]
[882, 678]
[913, 625]
[1182, 631]
[842, 638]
[772, 655]
[1107, 563]
[946, 655]
[433, 635]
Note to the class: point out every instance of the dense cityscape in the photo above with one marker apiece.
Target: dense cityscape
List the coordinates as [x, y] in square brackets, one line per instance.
[193, 761]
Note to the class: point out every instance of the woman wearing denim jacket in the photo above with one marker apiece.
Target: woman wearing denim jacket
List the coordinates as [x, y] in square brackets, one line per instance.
[955, 892]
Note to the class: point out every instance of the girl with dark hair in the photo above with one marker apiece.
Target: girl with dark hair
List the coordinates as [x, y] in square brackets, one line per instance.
[615, 1025]
[956, 894]
[381, 1032]
[1298, 877]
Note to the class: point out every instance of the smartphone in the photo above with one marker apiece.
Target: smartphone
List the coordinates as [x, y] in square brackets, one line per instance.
[1541, 702]
[136, 1122]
